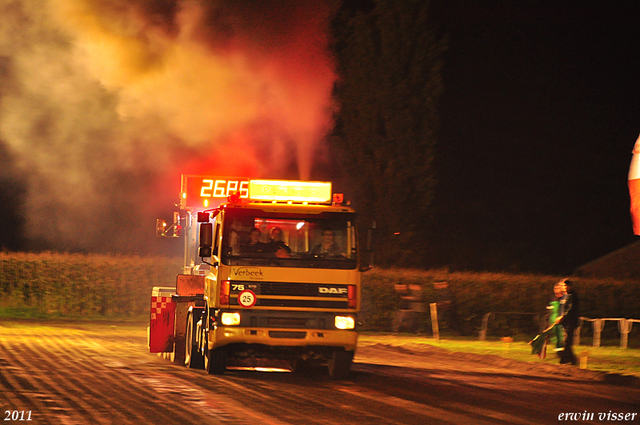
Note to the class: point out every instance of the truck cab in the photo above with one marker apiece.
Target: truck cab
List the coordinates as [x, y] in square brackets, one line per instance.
[274, 276]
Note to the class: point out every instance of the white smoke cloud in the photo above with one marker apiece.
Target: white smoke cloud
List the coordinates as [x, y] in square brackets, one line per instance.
[104, 103]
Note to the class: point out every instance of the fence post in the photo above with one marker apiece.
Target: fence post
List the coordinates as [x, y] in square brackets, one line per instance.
[576, 334]
[624, 326]
[483, 329]
[407, 317]
[434, 321]
[598, 324]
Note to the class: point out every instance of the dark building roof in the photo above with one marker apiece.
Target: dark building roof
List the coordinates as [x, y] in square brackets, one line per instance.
[623, 263]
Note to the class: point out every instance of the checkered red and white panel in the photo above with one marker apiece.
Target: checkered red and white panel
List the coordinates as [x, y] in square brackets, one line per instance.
[157, 304]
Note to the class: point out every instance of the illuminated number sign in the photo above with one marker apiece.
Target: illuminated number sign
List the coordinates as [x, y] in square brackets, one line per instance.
[289, 190]
[210, 191]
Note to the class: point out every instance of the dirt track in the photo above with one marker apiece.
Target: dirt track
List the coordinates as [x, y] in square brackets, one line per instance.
[87, 373]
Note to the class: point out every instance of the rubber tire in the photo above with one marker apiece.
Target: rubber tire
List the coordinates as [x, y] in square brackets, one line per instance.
[215, 361]
[177, 356]
[339, 364]
[192, 356]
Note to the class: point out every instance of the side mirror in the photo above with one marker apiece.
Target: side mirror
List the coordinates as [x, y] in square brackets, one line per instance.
[206, 240]
[161, 228]
[369, 249]
[177, 227]
[162, 231]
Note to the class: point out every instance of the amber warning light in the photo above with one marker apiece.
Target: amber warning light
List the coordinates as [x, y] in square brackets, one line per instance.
[290, 190]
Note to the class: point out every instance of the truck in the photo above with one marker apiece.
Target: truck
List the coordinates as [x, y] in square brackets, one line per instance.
[271, 277]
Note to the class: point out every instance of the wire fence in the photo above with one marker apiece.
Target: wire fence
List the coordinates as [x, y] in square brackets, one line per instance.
[624, 326]
[624, 329]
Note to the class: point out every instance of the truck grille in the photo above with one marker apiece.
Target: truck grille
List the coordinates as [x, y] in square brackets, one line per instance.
[284, 294]
[287, 334]
[298, 289]
[286, 322]
[301, 303]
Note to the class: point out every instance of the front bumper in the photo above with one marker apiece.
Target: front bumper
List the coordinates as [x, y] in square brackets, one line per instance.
[283, 337]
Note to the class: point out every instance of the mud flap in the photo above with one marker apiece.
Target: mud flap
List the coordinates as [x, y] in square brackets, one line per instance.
[161, 320]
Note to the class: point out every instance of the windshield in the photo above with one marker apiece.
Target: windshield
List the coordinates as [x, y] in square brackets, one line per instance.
[311, 240]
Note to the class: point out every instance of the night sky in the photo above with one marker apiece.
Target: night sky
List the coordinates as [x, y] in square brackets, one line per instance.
[538, 118]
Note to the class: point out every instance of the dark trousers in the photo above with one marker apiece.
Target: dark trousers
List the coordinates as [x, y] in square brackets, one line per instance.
[567, 355]
[558, 332]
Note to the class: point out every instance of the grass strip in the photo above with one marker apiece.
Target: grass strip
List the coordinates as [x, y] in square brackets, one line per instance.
[602, 359]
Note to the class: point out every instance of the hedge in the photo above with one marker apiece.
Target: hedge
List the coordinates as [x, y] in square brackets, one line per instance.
[76, 284]
[518, 301]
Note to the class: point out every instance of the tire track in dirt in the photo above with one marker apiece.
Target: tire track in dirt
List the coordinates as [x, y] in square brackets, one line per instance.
[11, 398]
[304, 399]
[86, 373]
[63, 371]
[36, 383]
[45, 373]
[102, 377]
[120, 392]
[102, 395]
[91, 374]
[275, 398]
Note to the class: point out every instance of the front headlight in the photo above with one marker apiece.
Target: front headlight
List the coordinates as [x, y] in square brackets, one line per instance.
[230, 319]
[345, 322]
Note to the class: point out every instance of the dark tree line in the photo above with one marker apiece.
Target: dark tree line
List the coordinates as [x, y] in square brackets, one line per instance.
[390, 78]
[12, 200]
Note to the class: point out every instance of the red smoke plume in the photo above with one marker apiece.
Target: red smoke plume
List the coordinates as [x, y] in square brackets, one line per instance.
[213, 69]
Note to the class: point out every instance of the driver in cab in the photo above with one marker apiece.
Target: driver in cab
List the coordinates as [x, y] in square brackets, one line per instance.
[327, 247]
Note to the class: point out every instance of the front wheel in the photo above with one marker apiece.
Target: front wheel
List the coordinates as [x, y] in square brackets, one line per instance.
[192, 356]
[215, 361]
[340, 364]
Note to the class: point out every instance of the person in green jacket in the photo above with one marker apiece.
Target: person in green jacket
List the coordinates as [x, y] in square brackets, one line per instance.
[555, 311]
[554, 333]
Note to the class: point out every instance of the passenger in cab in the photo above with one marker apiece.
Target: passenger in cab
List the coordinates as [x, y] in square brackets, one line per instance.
[234, 243]
[327, 247]
[255, 246]
[278, 246]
